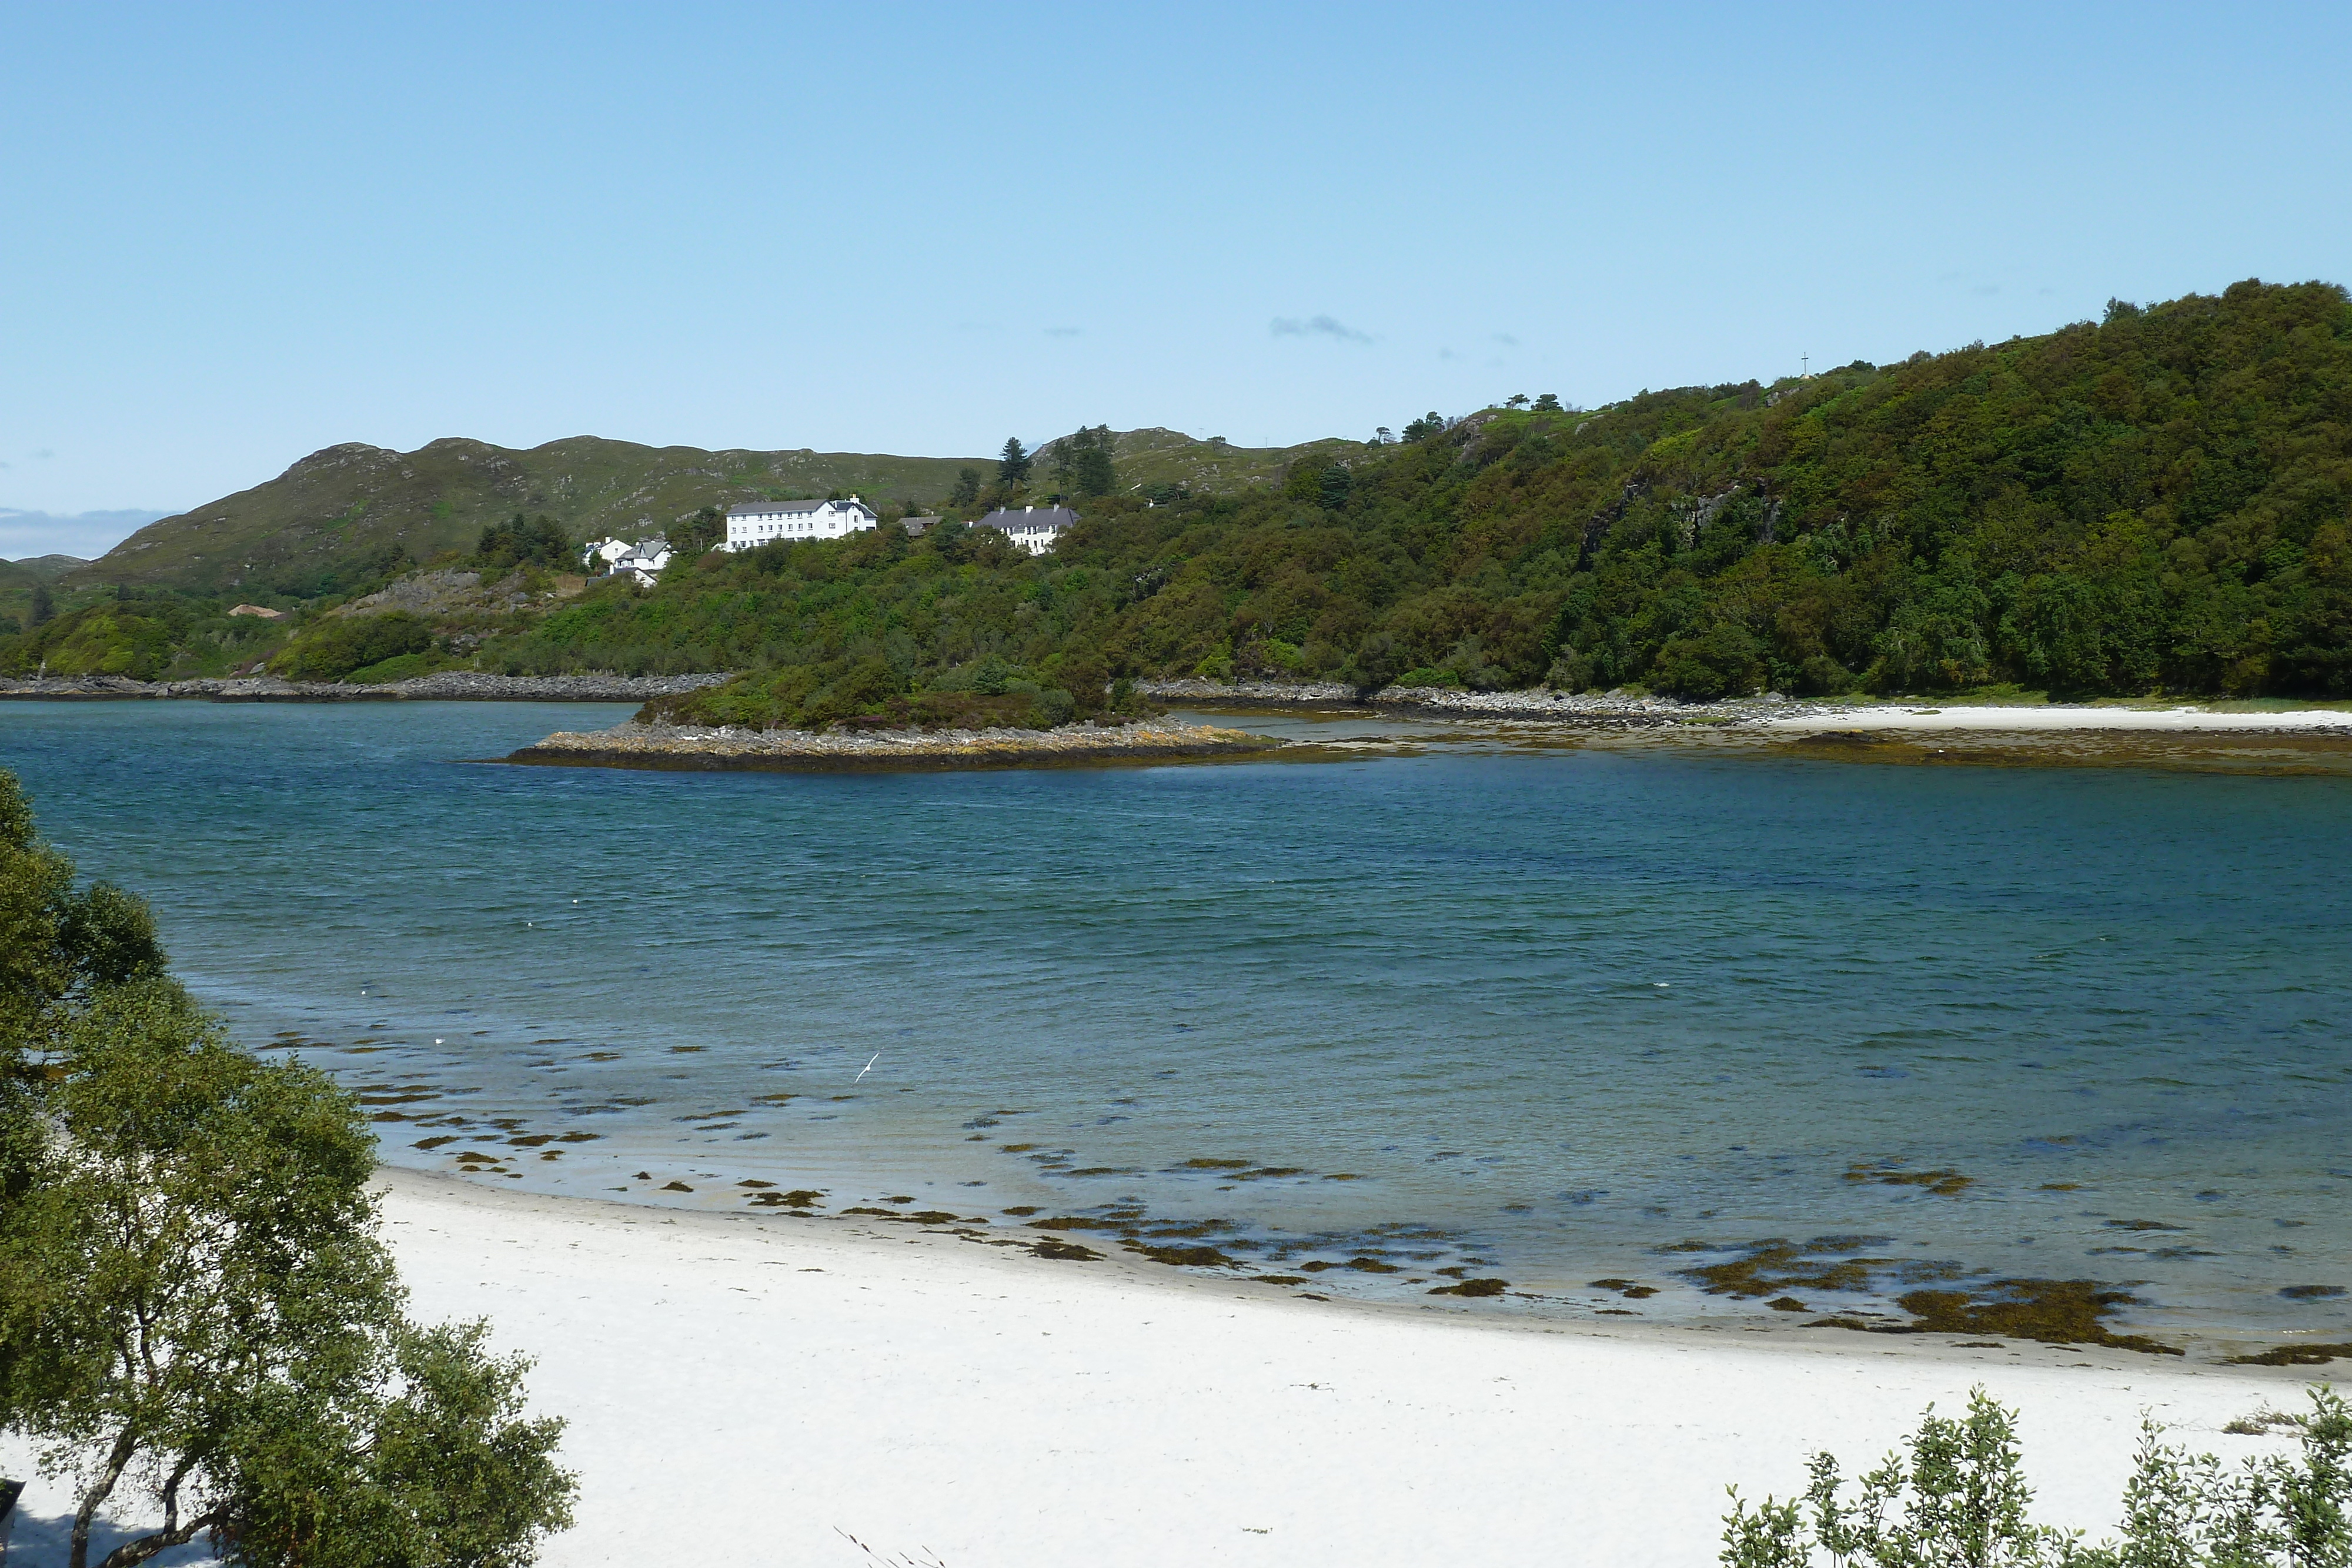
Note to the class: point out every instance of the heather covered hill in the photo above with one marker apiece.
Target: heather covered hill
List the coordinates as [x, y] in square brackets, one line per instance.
[2156, 502]
[348, 516]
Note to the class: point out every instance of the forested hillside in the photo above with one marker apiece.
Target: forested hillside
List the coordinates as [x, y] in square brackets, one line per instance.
[2158, 502]
[2155, 503]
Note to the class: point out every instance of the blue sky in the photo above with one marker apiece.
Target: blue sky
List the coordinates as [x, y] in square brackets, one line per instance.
[233, 234]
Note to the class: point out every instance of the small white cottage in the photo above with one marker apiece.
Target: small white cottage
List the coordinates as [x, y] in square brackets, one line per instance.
[643, 560]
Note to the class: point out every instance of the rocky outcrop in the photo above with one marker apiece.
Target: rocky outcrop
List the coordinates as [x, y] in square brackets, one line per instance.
[680, 748]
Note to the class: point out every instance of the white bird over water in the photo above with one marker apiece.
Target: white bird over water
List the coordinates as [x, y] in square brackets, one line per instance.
[867, 1069]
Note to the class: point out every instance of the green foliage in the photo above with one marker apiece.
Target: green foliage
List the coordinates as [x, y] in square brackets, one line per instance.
[1083, 466]
[334, 646]
[1013, 464]
[143, 635]
[1959, 1497]
[966, 491]
[704, 530]
[539, 542]
[59, 947]
[195, 1306]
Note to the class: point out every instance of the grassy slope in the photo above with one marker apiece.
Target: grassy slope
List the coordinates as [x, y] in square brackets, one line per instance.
[46, 568]
[316, 528]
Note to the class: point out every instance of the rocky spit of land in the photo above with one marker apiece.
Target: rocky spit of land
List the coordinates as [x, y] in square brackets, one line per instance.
[664, 746]
[459, 685]
[1539, 702]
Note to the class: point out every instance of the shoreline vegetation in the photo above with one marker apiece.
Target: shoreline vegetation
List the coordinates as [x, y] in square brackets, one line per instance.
[446, 685]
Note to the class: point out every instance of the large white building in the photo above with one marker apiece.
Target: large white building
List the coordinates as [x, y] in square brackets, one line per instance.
[757, 523]
[1033, 529]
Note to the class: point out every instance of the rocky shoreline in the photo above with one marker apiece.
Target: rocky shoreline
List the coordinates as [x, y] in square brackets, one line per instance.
[449, 685]
[688, 748]
[1536, 703]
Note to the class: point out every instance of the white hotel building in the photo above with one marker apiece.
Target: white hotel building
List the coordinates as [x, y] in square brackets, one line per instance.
[757, 523]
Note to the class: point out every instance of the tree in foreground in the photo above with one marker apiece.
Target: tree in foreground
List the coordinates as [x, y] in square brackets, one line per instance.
[195, 1309]
[1960, 1501]
[1013, 464]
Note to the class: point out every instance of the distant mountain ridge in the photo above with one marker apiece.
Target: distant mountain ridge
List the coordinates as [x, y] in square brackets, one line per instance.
[339, 515]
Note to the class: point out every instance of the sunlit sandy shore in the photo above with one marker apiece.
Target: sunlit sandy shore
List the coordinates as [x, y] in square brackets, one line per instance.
[766, 1387]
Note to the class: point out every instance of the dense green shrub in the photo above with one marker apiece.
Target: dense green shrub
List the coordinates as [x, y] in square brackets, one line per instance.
[1960, 1496]
[333, 647]
[536, 541]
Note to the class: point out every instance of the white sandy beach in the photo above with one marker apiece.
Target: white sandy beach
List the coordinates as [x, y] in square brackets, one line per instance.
[2185, 719]
[762, 1388]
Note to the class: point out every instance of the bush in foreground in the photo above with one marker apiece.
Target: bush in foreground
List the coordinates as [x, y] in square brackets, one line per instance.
[195, 1306]
[1958, 1501]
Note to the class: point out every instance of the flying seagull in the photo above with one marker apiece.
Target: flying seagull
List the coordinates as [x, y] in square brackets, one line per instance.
[867, 1069]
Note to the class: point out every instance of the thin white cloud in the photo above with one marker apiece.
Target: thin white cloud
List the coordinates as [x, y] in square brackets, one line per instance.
[1318, 327]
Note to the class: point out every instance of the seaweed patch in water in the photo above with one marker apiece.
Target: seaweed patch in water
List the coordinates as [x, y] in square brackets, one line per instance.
[2312, 1292]
[2294, 1355]
[1887, 1173]
[1067, 1251]
[1186, 1257]
[1472, 1288]
[2054, 1311]
[2142, 1225]
[1778, 1267]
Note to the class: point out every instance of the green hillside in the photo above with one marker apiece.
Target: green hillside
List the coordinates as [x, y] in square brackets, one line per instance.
[340, 518]
[335, 518]
[46, 568]
[1156, 459]
[2159, 502]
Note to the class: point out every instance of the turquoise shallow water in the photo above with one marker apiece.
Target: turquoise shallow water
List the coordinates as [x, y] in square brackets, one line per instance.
[1555, 1014]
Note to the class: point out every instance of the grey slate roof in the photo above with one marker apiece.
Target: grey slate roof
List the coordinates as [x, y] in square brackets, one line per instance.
[1053, 519]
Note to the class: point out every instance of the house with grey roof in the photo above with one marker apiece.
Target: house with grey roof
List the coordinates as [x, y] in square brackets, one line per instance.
[1033, 529]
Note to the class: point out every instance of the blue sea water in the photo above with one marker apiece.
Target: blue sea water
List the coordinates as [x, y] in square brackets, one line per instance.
[1555, 1016]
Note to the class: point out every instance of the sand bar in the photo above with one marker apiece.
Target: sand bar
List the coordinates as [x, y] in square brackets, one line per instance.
[762, 1388]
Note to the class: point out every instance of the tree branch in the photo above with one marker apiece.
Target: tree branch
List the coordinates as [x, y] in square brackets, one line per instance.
[135, 1552]
[117, 1461]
